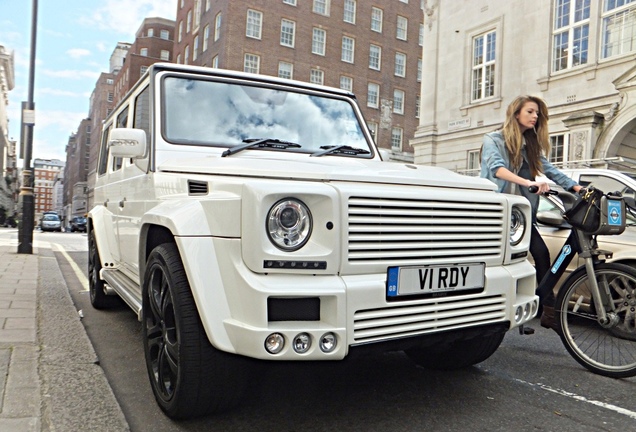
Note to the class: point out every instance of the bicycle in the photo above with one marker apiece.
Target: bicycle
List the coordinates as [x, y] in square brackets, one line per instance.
[595, 307]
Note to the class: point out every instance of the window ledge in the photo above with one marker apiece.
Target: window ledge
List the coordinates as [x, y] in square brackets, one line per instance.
[495, 100]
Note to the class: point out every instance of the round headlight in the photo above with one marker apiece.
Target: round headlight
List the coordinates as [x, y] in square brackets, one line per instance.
[289, 224]
[517, 226]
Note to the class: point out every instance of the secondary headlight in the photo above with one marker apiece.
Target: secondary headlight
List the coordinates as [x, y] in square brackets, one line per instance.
[517, 226]
[289, 224]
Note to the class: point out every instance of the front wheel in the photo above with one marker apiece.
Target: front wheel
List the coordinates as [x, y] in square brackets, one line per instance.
[189, 377]
[608, 350]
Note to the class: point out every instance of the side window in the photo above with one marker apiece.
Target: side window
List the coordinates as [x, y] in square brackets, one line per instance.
[122, 122]
[142, 113]
[606, 184]
[103, 152]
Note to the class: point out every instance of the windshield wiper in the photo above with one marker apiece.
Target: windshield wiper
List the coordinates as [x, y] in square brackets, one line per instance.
[341, 149]
[258, 143]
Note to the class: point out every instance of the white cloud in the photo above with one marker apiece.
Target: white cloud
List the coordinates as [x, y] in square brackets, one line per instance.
[71, 73]
[78, 52]
[125, 16]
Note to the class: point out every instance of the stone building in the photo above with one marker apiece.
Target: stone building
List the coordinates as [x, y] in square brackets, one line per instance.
[578, 55]
[373, 48]
[8, 169]
[45, 173]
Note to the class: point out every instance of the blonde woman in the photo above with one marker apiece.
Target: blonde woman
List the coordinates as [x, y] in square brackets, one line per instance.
[512, 158]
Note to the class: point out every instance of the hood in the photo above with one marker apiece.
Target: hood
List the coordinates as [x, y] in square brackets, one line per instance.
[326, 168]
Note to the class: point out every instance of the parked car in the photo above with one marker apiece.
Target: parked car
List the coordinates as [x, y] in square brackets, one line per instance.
[245, 217]
[78, 223]
[606, 180]
[623, 246]
[51, 222]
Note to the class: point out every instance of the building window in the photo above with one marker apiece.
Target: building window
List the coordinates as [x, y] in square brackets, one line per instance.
[165, 55]
[619, 27]
[348, 48]
[195, 48]
[318, 41]
[396, 138]
[570, 34]
[287, 31]
[373, 95]
[215, 62]
[217, 27]
[349, 11]
[290, 2]
[321, 7]
[143, 69]
[558, 148]
[398, 101]
[110, 97]
[180, 31]
[197, 14]
[251, 63]
[317, 76]
[417, 106]
[206, 37]
[373, 129]
[189, 22]
[483, 70]
[420, 40]
[419, 70]
[208, 5]
[254, 24]
[402, 27]
[346, 83]
[178, 58]
[151, 32]
[375, 57]
[143, 52]
[164, 34]
[186, 55]
[472, 163]
[400, 64]
[376, 19]
[285, 70]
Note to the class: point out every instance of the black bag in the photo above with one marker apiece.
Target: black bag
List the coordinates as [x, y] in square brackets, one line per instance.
[585, 214]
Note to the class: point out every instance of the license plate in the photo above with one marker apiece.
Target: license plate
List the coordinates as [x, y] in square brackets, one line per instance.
[404, 281]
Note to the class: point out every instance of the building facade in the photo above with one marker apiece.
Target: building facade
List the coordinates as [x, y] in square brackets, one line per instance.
[578, 55]
[8, 170]
[45, 173]
[76, 169]
[372, 48]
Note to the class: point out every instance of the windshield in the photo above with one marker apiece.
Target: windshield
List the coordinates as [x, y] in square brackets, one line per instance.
[213, 113]
[51, 217]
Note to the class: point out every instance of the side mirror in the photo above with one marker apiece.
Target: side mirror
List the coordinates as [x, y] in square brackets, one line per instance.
[127, 143]
[551, 219]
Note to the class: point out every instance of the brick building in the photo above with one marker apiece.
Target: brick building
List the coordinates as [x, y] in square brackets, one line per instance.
[372, 48]
[45, 173]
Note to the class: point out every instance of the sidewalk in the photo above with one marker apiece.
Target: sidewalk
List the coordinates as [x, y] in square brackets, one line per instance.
[50, 380]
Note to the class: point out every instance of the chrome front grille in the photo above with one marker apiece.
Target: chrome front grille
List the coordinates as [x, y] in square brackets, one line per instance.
[398, 231]
[426, 317]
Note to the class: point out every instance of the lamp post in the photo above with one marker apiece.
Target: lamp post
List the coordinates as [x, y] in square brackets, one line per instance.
[25, 234]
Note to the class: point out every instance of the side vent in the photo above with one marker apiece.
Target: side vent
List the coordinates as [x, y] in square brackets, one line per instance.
[197, 187]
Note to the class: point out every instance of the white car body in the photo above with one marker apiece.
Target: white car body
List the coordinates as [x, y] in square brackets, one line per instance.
[369, 216]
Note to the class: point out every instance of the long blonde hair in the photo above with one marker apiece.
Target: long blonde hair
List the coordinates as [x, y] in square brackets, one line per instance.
[537, 139]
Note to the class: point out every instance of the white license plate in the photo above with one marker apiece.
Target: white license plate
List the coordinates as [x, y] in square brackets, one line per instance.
[403, 281]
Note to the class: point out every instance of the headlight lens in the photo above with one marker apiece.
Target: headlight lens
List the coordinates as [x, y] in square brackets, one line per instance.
[289, 224]
[517, 226]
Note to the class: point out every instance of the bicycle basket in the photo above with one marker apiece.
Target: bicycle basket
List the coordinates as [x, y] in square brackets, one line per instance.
[597, 213]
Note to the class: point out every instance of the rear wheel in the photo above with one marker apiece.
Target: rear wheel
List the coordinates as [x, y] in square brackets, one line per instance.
[99, 299]
[610, 349]
[189, 377]
[457, 354]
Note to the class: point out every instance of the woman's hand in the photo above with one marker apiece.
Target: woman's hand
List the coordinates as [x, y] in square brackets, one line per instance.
[542, 187]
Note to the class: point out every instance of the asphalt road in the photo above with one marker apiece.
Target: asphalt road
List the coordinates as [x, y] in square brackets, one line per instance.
[529, 384]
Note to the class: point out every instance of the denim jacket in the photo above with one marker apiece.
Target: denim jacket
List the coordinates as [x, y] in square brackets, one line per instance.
[494, 155]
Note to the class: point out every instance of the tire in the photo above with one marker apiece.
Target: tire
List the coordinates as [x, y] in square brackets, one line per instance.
[458, 354]
[189, 377]
[98, 296]
[605, 350]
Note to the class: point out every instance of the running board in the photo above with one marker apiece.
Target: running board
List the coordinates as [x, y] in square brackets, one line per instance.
[124, 287]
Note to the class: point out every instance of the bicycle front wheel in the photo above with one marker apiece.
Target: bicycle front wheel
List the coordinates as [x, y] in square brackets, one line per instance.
[610, 349]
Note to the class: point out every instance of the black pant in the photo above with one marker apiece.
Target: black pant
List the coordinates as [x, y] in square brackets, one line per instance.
[541, 256]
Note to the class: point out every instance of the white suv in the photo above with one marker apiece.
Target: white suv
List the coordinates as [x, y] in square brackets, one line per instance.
[250, 217]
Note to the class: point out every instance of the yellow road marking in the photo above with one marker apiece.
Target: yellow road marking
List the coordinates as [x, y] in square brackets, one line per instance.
[78, 272]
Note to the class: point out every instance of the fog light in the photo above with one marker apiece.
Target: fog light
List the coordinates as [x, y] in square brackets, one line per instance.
[535, 308]
[328, 342]
[274, 343]
[518, 314]
[302, 342]
[526, 310]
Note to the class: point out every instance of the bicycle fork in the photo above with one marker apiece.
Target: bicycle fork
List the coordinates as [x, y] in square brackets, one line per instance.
[601, 297]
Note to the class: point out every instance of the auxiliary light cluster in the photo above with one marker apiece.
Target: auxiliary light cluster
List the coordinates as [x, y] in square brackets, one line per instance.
[301, 343]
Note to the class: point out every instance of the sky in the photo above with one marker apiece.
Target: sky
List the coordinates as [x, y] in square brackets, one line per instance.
[74, 41]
